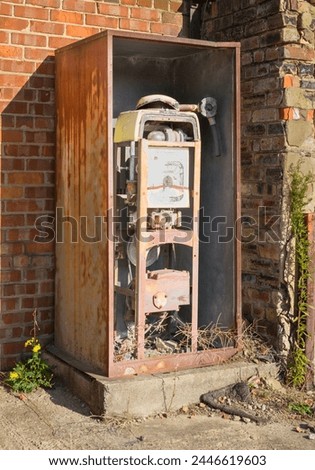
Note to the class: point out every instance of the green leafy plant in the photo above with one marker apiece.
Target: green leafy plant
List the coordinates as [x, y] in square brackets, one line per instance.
[301, 408]
[34, 372]
[298, 199]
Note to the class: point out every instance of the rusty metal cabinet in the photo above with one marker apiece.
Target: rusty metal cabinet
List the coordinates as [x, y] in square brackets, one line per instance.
[97, 79]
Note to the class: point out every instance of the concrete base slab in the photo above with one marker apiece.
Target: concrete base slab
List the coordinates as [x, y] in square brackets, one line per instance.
[146, 395]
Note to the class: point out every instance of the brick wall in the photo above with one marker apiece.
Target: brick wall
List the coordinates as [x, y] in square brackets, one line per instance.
[278, 96]
[30, 32]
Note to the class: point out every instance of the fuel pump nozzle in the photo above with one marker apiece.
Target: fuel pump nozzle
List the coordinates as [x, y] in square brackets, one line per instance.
[207, 108]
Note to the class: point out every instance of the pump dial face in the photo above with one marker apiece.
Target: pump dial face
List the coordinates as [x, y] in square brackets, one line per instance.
[168, 177]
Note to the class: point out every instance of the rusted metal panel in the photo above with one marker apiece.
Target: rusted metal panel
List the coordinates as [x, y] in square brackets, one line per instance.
[167, 290]
[173, 362]
[82, 193]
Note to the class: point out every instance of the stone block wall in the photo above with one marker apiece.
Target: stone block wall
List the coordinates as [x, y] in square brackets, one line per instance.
[278, 97]
[30, 32]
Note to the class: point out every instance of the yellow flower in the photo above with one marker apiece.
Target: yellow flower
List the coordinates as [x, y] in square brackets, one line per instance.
[36, 348]
[14, 375]
[29, 342]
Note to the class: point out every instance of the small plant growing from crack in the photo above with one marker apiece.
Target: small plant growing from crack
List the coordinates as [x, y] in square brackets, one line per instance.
[299, 184]
[34, 372]
[301, 408]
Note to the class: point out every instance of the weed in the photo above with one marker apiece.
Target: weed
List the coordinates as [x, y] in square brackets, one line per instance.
[301, 408]
[34, 372]
[299, 184]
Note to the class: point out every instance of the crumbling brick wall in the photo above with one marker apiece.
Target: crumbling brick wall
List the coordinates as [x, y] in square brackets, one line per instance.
[30, 32]
[278, 96]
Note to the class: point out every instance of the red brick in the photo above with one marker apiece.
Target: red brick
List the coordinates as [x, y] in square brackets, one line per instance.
[43, 123]
[48, 151]
[290, 81]
[5, 262]
[17, 107]
[298, 53]
[41, 109]
[286, 114]
[145, 3]
[45, 301]
[5, 9]
[39, 137]
[47, 27]
[128, 2]
[29, 39]
[31, 12]
[43, 164]
[9, 305]
[24, 122]
[165, 29]
[44, 3]
[258, 56]
[146, 14]
[36, 247]
[46, 315]
[13, 136]
[25, 205]
[36, 54]
[57, 42]
[172, 18]
[310, 115]
[47, 328]
[10, 276]
[45, 96]
[161, 4]
[4, 37]
[134, 25]
[46, 287]
[8, 362]
[17, 332]
[13, 52]
[15, 24]
[16, 66]
[37, 81]
[21, 261]
[11, 192]
[7, 122]
[80, 31]
[12, 150]
[41, 261]
[8, 290]
[250, 43]
[12, 248]
[113, 10]
[101, 21]
[19, 234]
[12, 318]
[13, 81]
[79, 5]
[16, 2]
[39, 192]
[12, 220]
[175, 5]
[66, 16]
[47, 67]
[26, 178]
[13, 348]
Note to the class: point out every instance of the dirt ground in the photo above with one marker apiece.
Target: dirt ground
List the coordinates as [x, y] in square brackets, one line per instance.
[55, 419]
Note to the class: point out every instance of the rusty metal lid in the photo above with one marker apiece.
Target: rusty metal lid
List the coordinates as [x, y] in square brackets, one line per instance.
[157, 101]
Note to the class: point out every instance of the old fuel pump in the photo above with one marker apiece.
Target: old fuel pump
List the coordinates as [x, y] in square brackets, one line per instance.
[157, 187]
